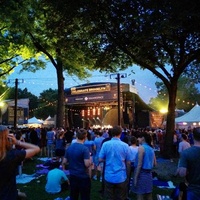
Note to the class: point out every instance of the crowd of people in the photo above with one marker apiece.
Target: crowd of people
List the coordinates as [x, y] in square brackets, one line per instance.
[116, 157]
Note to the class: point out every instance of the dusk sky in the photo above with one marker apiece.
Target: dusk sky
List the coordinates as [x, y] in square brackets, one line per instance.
[44, 79]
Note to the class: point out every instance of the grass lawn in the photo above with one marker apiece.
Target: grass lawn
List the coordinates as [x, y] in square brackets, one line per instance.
[35, 190]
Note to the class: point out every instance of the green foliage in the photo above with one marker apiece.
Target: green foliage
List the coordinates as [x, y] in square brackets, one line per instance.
[23, 94]
[14, 47]
[78, 22]
[187, 95]
[41, 107]
[76, 36]
[47, 104]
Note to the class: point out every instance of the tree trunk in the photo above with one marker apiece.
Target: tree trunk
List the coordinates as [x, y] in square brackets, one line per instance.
[60, 121]
[170, 122]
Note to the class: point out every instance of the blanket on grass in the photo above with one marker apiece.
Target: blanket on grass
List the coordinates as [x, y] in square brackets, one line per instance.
[25, 178]
[46, 166]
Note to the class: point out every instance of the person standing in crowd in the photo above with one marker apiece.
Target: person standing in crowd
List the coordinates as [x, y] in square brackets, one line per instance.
[78, 157]
[89, 143]
[144, 162]
[189, 166]
[105, 133]
[60, 145]
[34, 136]
[97, 147]
[190, 136]
[69, 135]
[50, 142]
[184, 144]
[43, 142]
[175, 144]
[10, 159]
[133, 150]
[116, 155]
[102, 190]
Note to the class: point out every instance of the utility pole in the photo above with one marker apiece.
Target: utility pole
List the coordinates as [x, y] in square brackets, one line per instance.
[15, 108]
[118, 76]
[15, 100]
[118, 99]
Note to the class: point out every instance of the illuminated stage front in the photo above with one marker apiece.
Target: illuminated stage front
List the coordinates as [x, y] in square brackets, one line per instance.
[96, 105]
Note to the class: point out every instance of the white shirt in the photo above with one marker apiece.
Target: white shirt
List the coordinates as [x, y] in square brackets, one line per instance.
[134, 151]
[183, 145]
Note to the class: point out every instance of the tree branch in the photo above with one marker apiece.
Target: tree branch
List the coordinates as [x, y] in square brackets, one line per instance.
[168, 50]
[6, 72]
[141, 63]
[8, 59]
[39, 47]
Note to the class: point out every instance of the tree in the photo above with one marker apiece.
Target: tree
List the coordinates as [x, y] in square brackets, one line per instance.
[21, 94]
[187, 95]
[42, 30]
[161, 36]
[65, 35]
[47, 104]
[13, 46]
[65, 41]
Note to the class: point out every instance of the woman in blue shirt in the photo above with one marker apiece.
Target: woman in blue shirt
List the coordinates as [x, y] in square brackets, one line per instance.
[143, 180]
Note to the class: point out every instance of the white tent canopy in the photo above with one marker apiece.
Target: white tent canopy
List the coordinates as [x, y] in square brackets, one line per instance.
[34, 120]
[193, 116]
[49, 121]
[48, 118]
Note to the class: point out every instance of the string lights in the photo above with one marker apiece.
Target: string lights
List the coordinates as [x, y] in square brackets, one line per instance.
[97, 78]
[48, 104]
[164, 94]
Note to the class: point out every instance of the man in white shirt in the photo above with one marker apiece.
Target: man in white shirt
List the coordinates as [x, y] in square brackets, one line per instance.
[184, 144]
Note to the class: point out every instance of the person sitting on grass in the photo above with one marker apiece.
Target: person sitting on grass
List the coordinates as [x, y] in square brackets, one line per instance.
[57, 180]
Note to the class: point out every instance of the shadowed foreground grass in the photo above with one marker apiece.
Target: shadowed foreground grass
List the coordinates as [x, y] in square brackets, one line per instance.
[35, 190]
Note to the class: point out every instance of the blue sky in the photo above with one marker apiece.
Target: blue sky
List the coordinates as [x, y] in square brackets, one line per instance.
[45, 79]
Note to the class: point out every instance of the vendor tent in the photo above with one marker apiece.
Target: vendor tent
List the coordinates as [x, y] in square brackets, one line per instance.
[34, 122]
[190, 118]
[49, 121]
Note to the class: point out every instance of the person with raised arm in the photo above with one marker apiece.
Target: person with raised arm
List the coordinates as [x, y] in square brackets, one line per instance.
[10, 159]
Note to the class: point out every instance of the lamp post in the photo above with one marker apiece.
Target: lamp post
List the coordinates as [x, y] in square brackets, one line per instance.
[118, 76]
[1, 105]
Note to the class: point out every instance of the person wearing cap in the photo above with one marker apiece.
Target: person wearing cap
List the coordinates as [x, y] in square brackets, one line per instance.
[10, 158]
[189, 166]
